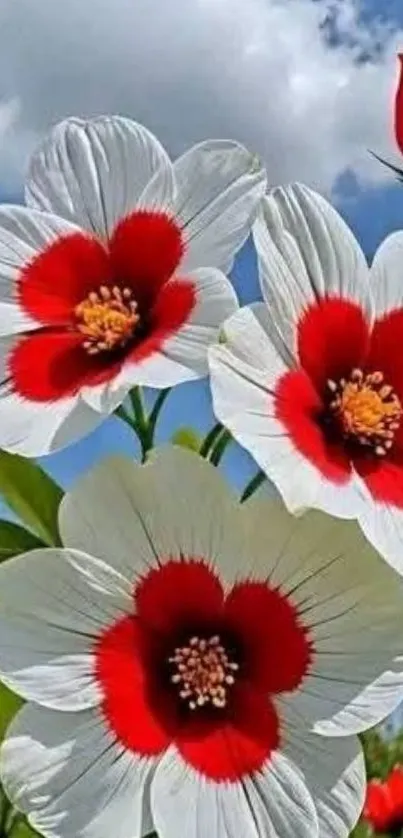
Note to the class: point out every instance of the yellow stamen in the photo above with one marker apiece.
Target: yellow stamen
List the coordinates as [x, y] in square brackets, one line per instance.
[367, 409]
[107, 318]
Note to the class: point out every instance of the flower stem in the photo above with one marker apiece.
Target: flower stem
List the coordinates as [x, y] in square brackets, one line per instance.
[217, 450]
[157, 406]
[210, 439]
[253, 485]
[141, 422]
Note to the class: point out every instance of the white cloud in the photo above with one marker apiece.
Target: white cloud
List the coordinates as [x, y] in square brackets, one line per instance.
[261, 71]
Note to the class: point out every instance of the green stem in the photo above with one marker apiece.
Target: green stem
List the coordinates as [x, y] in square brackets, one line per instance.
[156, 409]
[5, 810]
[141, 422]
[124, 415]
[253, 485]
[210, 439]
[219, 447]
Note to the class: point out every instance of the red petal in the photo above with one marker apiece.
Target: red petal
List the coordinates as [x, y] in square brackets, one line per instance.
[394, 784]
[232, 748]
[179, 594]
[333, 338]
[54, 282]
[378, 806]
[170, 312]
[298, 408]
[399, 106]
[47, 366]
[384, 353]
[145, 251]
[274, 643]
[383, 477]
[127, 695]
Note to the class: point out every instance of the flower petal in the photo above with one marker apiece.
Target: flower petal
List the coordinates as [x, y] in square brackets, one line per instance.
[272, 802]
[246, 370]
[335, 775]
[53, 604]
[349, 601]
[34, 429]
[305, 252]
[215, 300]
[386, 275]
[95, 172]
[24, 234]
[382, 523]
[176, 505]
[68, 775]
[219, 187]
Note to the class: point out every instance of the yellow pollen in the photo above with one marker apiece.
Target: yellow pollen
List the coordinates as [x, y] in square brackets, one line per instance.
[367, 409]
[203, 672]
[107, 318]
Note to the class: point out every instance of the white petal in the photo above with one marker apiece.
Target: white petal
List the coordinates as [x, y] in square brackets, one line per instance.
[71, 778]
[335, 775]
[244, 372]
[220, 185]
[53, 604]
[350, 600]
[386, 275]
[382, 524]
[177, 504]
[305, 252]
[95, 172]
[215, 300]
[23, 234]
[37, 428]
[274, 802]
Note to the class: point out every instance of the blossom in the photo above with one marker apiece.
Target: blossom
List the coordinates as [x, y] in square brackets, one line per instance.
[383, 808]
[398, 113]
[194, 665]
[112, 276]
[310, 382]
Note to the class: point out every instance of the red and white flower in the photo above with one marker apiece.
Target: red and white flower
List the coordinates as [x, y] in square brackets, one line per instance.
[311, 381]
[188, 679]
[112, 276]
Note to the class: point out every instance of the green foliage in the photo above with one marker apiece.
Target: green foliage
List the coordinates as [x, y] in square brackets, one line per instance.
[9, 704]
[15, 539]
[31, 494]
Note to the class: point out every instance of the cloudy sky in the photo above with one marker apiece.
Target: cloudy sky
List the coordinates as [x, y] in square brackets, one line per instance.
[307, 84]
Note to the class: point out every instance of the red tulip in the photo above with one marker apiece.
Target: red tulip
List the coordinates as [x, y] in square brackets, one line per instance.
[383, 807]
[399, 106]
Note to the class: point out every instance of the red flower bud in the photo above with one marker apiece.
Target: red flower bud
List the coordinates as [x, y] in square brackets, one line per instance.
[399, 106]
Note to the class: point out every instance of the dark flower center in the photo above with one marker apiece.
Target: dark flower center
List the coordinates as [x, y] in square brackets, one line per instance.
[203, 671]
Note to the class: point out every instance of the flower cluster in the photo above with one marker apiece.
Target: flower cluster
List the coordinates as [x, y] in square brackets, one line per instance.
[192, 664]
[383, 808]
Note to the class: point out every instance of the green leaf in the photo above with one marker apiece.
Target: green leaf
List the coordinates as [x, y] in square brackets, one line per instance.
[15, 539]
[31, 494]
[22, 829]
[9, 704]
[187, 438]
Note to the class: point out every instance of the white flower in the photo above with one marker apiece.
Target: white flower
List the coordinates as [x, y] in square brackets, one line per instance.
[188, 679]
[112, 276]
[310, 382]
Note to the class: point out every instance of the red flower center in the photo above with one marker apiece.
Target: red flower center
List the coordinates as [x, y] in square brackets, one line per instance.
[365, 410]
[200, 668]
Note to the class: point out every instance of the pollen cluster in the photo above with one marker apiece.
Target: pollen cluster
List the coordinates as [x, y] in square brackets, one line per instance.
[367, 409]
[203, 672]
[107, 318]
